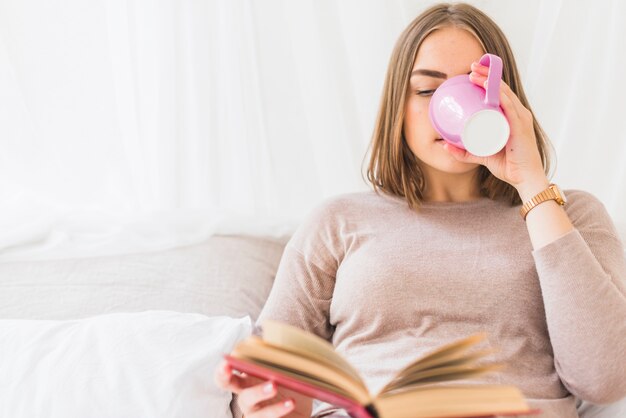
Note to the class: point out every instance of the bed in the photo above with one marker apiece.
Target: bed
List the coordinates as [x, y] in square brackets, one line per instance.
[137, 334]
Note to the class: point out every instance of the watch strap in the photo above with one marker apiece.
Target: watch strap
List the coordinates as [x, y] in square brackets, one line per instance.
[548, 194]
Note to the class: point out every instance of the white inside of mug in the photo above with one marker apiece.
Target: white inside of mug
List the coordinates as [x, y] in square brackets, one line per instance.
[485, 133]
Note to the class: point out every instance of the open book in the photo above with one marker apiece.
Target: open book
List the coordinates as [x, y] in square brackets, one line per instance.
[305, 363]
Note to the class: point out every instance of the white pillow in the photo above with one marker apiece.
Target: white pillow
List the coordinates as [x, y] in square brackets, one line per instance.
[146, 364]
[225, 275]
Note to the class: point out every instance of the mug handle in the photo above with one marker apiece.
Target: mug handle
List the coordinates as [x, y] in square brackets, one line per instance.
[494, 62]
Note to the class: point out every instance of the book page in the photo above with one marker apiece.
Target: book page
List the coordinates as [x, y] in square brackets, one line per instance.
[439, 374]
[451, 401]
[255, 349]
[451, 359]
[306, 344]
[449, 355]
[301, 376]
[422, 373]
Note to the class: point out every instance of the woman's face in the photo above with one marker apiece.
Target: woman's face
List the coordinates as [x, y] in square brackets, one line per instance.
[445, 53]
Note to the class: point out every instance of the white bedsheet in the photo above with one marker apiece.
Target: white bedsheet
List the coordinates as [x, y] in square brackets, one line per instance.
[149, 364]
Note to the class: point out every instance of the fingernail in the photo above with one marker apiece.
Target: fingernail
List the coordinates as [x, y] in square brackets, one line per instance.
[288, 403]
[268, 388]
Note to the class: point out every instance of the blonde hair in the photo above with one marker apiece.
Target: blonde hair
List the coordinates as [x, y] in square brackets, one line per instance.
[393, 168]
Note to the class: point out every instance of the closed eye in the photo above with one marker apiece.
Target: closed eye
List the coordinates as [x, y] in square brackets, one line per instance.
[424, 92]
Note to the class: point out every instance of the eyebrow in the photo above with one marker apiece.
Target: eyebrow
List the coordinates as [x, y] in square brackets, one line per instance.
[431, 73]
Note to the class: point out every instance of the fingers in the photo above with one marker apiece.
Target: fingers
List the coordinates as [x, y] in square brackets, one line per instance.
[278, 409]
[250, 397]
[253, 396]
[226, 379]
[251, 401]
[508, 99]
[518, 116]
[479, 69]
[509, 106]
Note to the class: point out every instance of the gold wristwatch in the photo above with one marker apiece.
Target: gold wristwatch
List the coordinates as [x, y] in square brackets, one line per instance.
[553, 192]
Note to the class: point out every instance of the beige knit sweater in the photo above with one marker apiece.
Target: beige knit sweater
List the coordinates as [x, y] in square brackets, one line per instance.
[386, 284]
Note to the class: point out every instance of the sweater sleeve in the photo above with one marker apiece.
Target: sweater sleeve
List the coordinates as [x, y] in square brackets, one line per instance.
[305, 279]
[583, 281]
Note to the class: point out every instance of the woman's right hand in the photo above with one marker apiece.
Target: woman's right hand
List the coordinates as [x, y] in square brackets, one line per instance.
[256, 398]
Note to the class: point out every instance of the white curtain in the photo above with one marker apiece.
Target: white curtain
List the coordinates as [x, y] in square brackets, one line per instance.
[138, 125]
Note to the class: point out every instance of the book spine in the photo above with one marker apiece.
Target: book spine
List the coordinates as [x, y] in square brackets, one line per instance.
[372, 411]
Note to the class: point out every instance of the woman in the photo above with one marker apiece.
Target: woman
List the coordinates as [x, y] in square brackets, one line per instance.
[439, 250]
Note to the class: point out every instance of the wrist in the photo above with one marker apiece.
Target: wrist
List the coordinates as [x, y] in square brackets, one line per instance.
[531, 187]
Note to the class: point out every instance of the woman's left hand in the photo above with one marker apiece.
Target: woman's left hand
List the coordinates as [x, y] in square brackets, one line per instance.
[519, 161]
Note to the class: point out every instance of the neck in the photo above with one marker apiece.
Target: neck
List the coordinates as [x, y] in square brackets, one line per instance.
[451, 187]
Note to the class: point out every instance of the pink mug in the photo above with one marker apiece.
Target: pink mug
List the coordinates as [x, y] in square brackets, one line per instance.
[468, 116]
